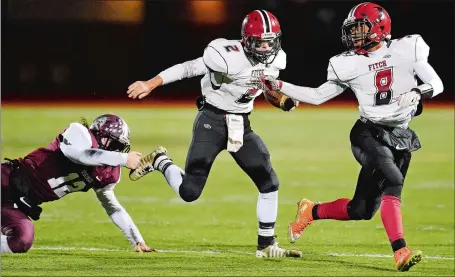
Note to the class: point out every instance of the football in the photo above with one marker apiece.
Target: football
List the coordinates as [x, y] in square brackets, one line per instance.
[279, 100]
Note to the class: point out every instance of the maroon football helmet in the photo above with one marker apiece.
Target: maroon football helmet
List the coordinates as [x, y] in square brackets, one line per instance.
[111, 132]
[261, 26]
[377, 22]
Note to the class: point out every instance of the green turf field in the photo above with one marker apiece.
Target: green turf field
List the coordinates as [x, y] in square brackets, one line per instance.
[216, 235]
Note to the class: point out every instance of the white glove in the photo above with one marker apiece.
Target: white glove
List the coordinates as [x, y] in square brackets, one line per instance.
[409, 99]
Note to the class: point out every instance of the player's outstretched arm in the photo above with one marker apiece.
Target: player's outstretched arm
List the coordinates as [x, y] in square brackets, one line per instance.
[100, 157]
[121, 218]
[314, 96]
[189, 69]
[76, 145]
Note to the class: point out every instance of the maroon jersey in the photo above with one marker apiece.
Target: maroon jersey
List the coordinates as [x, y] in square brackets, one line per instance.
[53, 175]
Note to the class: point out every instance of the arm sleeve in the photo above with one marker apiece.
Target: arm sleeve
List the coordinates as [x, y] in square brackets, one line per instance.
[316, 96]
[180, 71]
[432, 83]
[118, 214]
[76, 145]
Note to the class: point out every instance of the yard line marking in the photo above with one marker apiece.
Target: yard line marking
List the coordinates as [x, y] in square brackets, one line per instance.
[383, 256]
[330, 254]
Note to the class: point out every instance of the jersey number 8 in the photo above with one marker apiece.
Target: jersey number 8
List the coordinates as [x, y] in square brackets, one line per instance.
[383, 80]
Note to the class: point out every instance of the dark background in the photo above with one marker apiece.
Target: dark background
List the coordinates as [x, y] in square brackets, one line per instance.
[92, 50]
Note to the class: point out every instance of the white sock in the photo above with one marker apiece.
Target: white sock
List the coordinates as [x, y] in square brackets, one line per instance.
[267, 210]
[160, 162]
[4, 245]
[174, 177]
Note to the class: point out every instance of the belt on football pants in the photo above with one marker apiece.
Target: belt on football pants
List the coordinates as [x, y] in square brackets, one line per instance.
[201, 104]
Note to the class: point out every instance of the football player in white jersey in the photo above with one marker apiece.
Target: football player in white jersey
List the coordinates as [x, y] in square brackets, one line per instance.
[381, 72]
[230, 70]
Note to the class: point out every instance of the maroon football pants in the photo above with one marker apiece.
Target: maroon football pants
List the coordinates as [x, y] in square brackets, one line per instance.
[15, 224]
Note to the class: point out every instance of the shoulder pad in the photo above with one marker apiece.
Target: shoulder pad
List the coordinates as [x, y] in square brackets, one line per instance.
[225, 56]
[280, 60]
[340, 67]
[76, 134]
[422, 50]
[413, 45]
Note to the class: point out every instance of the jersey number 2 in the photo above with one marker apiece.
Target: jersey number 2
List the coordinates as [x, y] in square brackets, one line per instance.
[383, 80]
[66, 184]
[248, 96]
[230, 48]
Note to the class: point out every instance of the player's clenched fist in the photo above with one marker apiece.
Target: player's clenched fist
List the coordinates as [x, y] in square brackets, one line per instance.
[133, 160]
[141, 89]
[271, 83]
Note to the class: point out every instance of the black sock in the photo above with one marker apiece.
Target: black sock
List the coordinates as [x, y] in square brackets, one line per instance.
[314, 212]
[398, 244]
[263, 242]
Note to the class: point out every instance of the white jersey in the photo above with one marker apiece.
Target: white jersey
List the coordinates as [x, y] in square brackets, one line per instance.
[379, 78]
[230, 82]
[230, 78]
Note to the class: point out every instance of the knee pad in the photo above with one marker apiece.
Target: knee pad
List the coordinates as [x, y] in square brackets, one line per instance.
[269, 184]
[189, 194]
[357, 210]
[268, 189]
[19, 246]
[189, 189]
[22, 238]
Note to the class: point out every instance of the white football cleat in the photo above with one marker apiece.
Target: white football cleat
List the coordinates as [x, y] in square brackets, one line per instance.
[274, 251]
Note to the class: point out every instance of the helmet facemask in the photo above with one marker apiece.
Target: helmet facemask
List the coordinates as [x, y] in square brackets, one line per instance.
[110, 143]
[356, 34]
[254, 46]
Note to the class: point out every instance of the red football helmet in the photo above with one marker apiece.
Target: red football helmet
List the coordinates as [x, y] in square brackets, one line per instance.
[366, 25]
[261, 28]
